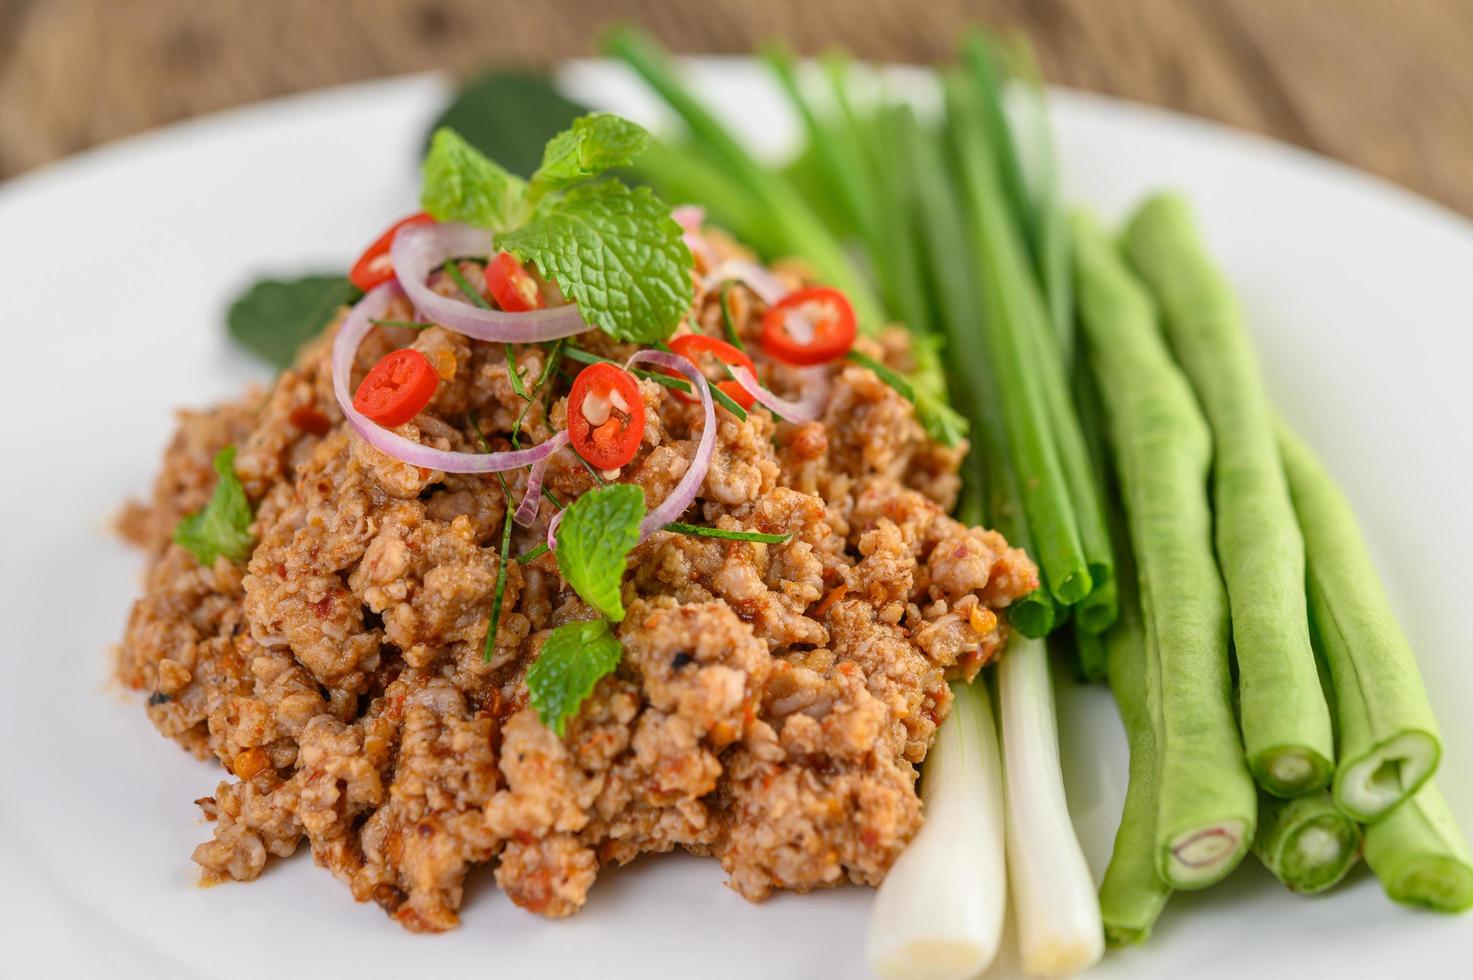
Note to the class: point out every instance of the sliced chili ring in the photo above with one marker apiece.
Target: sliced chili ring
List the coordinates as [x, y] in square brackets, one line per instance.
[374, 267]
[511, 285]
[605, 416]
[809, 326]
[692, 345]
[398, 387]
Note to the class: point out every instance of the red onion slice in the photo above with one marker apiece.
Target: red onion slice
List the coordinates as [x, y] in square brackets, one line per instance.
[419, 250]
[690, 217]
[552, 527]
[355, 326]
[526, 511]
[807, 408]
[768, 287]
[685, 491]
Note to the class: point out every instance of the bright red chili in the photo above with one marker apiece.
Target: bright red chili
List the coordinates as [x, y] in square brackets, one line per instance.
[692, 345]
[511, 285]
[605, 416]
[809, 326]
[397, 388]
[374, 267]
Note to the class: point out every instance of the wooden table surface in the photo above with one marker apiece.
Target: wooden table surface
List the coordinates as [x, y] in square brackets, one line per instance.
[1386, 85]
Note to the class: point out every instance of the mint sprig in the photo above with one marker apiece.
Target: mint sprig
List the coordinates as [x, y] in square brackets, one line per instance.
[461, 184]
[574, 657]
[596, 143]
[616, 252]
[593, 543]
[223, 527]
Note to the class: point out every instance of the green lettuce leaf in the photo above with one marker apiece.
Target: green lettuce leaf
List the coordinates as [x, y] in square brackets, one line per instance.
[617, 253]
[573, 659]
[593, 542]
[224, 526]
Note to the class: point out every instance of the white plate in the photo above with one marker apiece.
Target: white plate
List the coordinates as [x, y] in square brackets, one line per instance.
[116, 267]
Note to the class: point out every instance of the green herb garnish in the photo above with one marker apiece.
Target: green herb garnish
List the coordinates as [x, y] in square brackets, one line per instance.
[593, 543]
[728, 322]
[406, 324]
[890, 377]
[515, 374]
[616, 252]
[275, 317]
[223, 527]
[462, 184]
[697, 531]
[501, 562]
[509, 116]
[531, 554]
[574, 657]
[586, 357]
[452, 269]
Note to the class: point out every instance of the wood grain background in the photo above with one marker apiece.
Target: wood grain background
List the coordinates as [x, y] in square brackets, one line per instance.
[1384, 84]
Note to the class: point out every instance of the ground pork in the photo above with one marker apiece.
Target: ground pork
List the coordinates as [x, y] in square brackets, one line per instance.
[771, 705]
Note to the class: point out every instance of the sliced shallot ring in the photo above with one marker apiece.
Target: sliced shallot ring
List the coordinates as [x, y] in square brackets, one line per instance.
[767, 287]
[690, 217]
[526, 511]
[356, 326]
[805, 409]
[684, 493]
[419, 250]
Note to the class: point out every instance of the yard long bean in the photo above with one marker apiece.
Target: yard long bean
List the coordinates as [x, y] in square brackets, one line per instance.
[1285, 721]
[1307, 843]
[1420, 855]
[1387, 736]
[1206, 800]
[1132, 894]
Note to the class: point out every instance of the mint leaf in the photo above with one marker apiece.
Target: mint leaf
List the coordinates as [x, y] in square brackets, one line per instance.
[509, 116]
[617, 253]
[460, 184]
[593, 543]
[573, 659]
[224, 526]
[596, 142]
[275, 317]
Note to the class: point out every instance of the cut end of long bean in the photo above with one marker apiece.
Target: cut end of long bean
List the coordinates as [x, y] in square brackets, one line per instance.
[1291, 771]
[1371, 786]
[1203, 856]
[1318, 854]
[1073, 587]
[1443, 884]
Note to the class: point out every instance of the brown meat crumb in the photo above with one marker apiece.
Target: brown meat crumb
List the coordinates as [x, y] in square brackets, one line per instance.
[773, 700]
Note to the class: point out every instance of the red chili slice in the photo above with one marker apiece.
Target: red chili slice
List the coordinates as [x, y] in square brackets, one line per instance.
[374, 267]
[692, 345]
[511, 285]
[397, 388]
[605, 416]
[825, 313]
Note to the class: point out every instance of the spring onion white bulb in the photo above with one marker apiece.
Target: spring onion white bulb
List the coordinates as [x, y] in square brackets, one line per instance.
[938, 915]
[1058, 914]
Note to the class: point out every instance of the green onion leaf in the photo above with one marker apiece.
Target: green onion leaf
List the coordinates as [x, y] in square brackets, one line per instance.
[697, 531]
[887, 375]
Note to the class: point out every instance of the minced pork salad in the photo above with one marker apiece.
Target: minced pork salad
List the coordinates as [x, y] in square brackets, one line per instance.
[578, 535]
